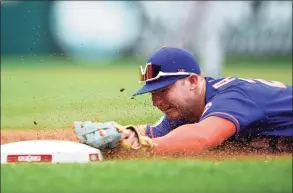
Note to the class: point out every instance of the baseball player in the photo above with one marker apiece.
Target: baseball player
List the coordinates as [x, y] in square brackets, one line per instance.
[200, 112]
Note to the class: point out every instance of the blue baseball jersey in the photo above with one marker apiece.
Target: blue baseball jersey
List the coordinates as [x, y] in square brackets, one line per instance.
[257, 107]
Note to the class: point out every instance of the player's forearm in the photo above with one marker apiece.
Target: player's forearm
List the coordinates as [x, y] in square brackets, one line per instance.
[185, 139]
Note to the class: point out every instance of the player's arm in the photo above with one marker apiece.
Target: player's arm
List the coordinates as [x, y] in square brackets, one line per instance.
[159, 129]
[192, 138]
[144, 130]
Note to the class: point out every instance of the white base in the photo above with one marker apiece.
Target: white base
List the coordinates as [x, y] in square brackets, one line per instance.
[49, 151]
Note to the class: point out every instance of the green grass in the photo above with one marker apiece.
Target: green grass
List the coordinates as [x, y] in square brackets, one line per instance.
[56, 95]
[186, 176]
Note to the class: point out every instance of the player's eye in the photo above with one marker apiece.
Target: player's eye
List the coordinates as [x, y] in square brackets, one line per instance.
[159, 91]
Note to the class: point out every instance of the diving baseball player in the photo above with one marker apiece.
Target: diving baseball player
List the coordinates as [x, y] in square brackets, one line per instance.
[200, 112]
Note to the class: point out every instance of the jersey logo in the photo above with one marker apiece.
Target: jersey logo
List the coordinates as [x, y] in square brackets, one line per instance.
[208, 105]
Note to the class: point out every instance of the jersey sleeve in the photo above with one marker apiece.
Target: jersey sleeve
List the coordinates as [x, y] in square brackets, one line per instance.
[236, 106]
[162, 127]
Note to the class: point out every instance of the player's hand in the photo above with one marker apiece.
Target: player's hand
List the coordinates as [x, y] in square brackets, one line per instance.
[131, 137]
[133, 144]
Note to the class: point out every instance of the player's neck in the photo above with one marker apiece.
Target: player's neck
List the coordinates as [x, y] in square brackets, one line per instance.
[202, 101]
[199, 105]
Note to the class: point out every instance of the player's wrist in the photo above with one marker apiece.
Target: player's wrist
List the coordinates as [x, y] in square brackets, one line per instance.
[142, 130]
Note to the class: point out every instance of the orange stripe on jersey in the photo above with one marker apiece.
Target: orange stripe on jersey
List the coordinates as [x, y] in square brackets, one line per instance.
[214, 113]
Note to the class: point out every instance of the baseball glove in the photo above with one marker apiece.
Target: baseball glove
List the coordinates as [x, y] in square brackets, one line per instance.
[98, 135]
[107, 136]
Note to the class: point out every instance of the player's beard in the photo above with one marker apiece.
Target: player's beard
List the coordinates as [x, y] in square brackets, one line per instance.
[188, 112]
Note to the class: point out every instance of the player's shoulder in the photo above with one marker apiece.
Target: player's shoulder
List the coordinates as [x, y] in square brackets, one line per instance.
[221, 89]
[233, 82]
[245, 88]
[226, 85]
[224, 82]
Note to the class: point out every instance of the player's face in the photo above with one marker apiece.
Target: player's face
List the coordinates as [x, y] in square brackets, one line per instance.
[175, 100]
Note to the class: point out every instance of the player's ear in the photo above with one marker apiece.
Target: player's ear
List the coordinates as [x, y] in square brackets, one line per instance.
[193, 81]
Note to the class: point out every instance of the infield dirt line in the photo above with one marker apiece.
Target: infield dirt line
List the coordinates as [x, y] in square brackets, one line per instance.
[8, 136]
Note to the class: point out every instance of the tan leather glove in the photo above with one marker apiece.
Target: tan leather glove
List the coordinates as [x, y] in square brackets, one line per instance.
[144, 141]
[125, 150]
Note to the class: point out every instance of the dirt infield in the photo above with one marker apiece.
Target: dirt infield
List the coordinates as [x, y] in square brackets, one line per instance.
[226, 151]
[8, 136]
